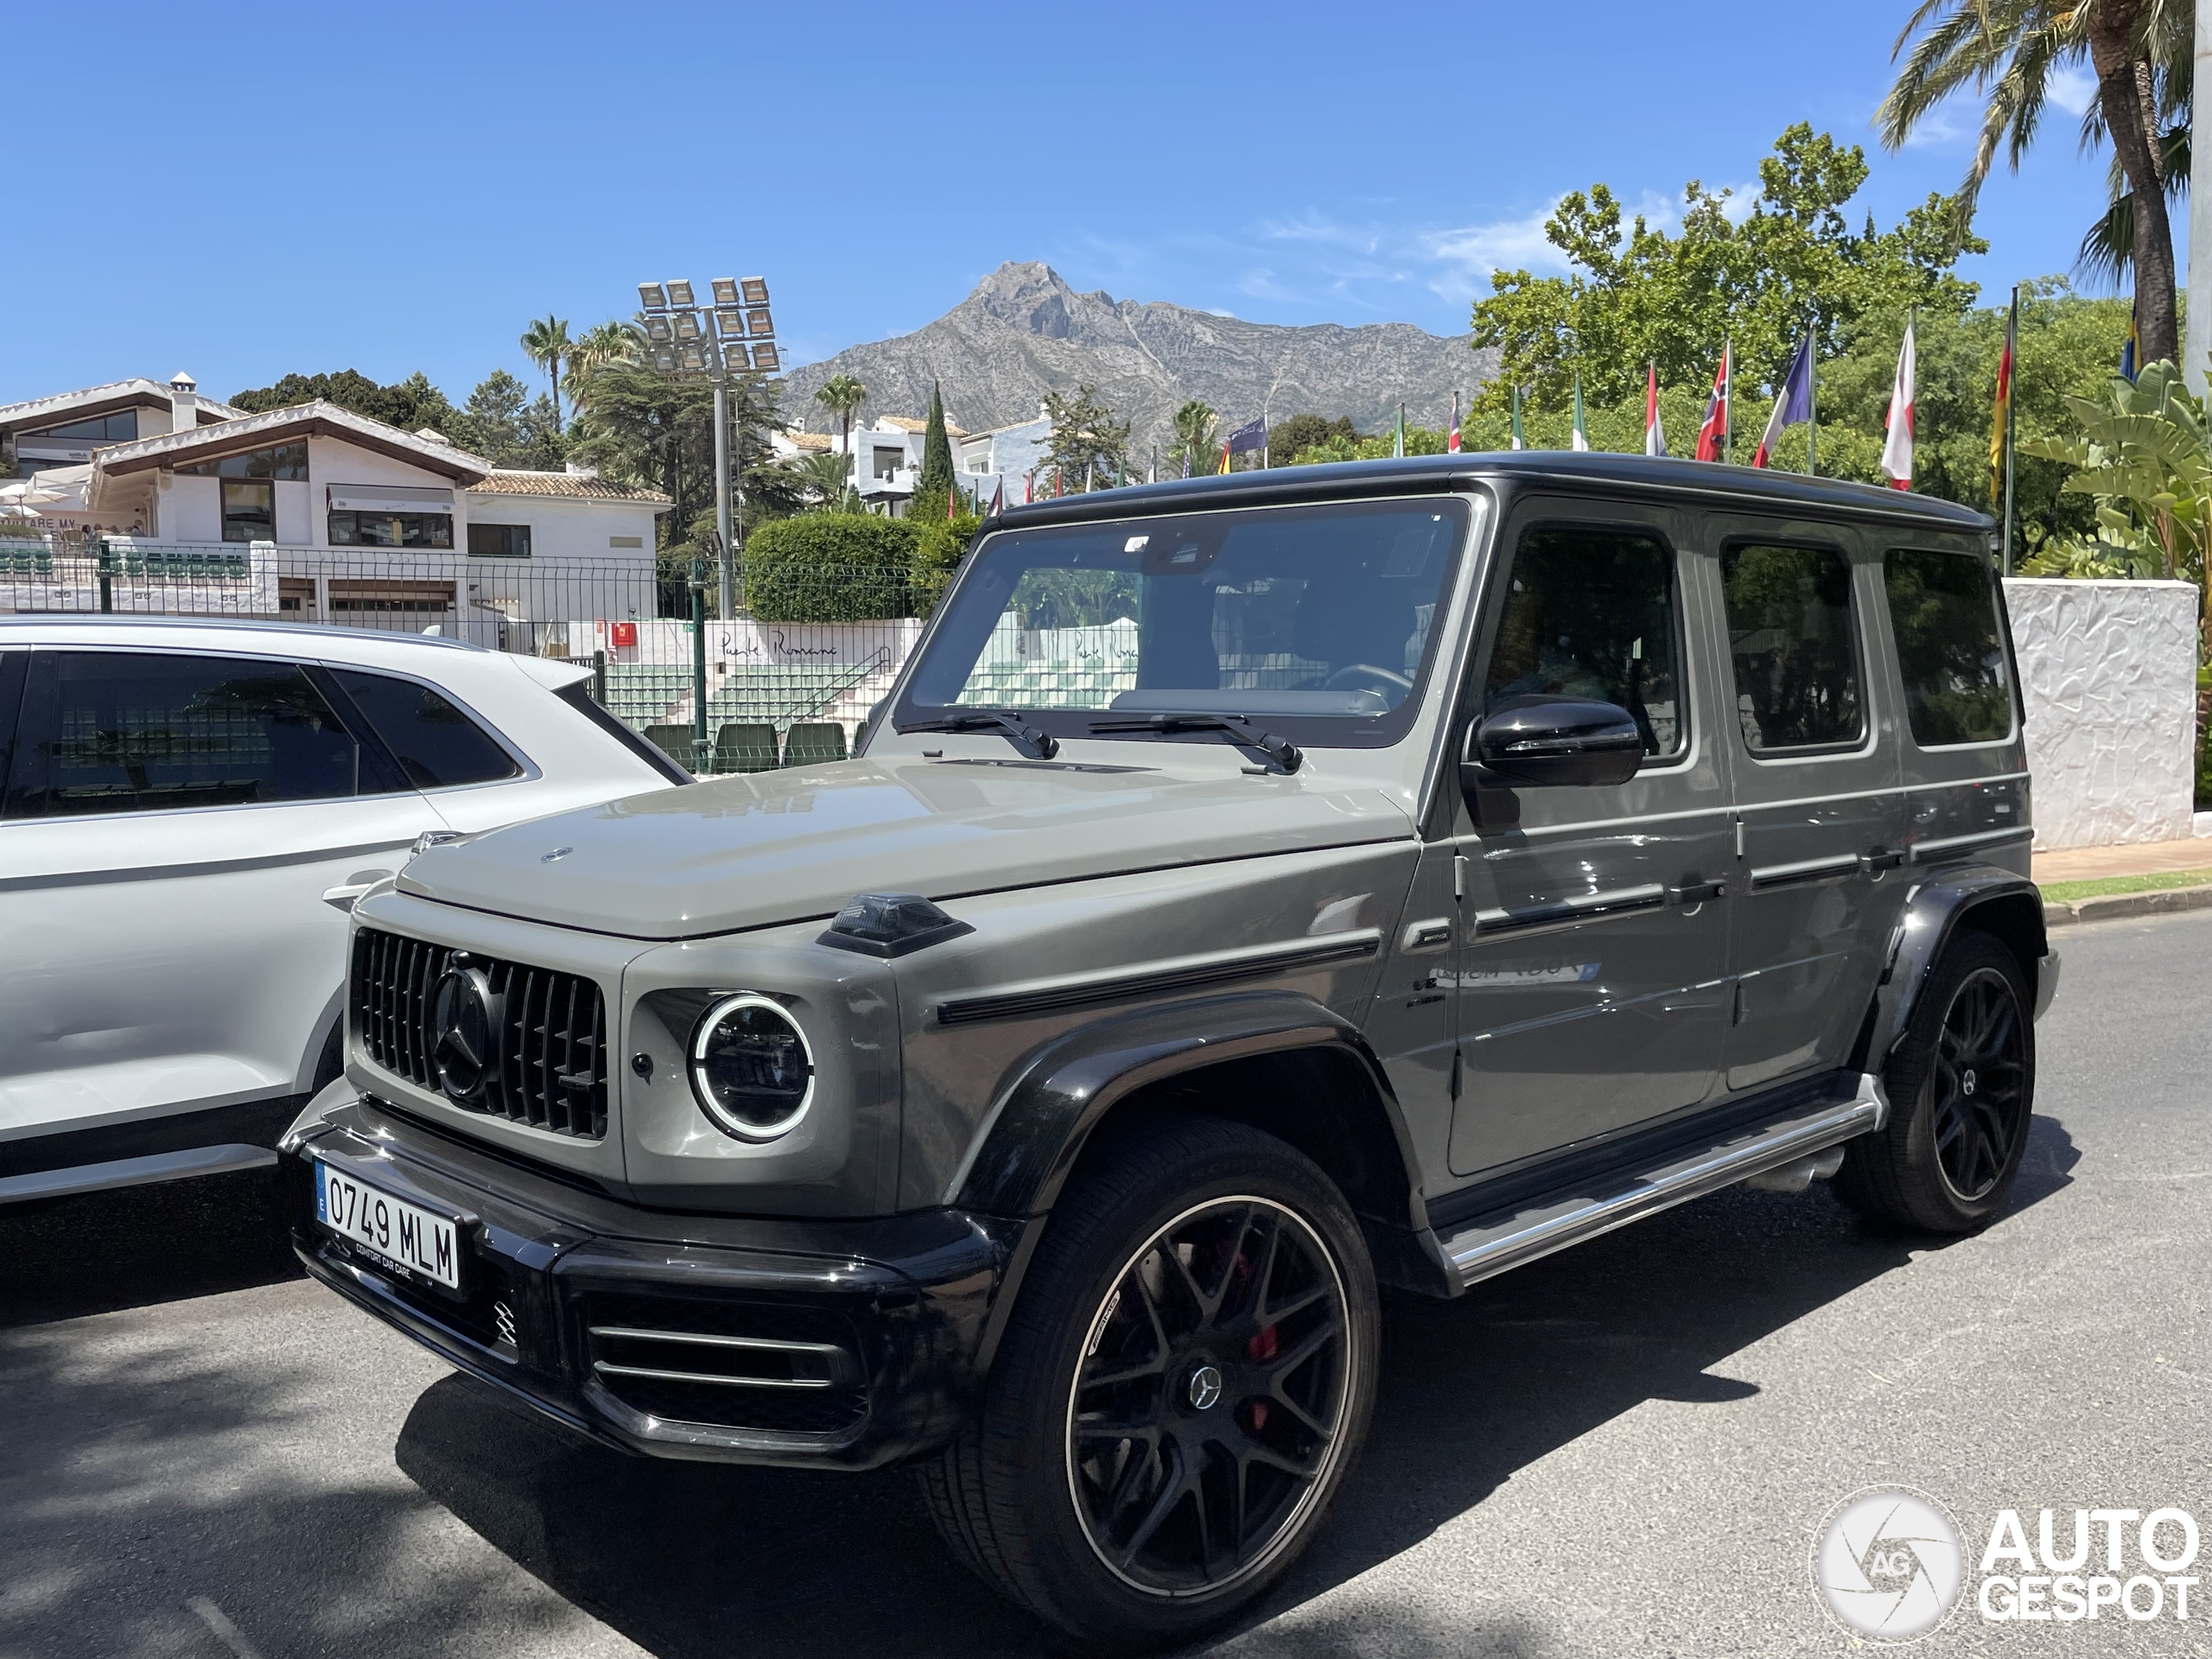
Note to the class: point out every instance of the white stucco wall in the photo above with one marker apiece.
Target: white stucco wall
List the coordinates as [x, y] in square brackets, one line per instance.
[570, 527]
[2109, 676]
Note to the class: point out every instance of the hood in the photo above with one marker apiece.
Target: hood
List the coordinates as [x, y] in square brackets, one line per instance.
[774, 847]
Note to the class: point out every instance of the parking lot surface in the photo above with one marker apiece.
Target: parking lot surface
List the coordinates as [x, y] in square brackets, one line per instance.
[1624, 1449]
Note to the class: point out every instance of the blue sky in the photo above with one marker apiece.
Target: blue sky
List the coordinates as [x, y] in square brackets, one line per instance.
[245, 190]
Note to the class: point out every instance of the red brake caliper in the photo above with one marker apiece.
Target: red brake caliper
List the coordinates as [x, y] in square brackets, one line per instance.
[1262, 1347]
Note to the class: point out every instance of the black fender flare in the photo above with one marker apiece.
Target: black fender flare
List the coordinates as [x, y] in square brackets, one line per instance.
[1934, 910]
[1051, 1099]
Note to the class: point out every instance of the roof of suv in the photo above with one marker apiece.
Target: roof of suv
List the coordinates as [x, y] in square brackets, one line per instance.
[1644, 475]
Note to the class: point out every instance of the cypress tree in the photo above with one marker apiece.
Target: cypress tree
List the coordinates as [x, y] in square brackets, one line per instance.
[936, 447]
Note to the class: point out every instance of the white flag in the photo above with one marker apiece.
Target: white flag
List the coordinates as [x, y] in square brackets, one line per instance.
[1897, 449]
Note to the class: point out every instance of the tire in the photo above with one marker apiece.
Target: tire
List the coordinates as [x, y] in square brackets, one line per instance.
[1962, 1089]
[1243, 1366]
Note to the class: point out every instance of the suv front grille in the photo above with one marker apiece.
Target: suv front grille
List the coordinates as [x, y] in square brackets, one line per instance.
[547, 1064]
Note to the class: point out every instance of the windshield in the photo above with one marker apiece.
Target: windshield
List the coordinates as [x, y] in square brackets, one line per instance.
[1318, 619]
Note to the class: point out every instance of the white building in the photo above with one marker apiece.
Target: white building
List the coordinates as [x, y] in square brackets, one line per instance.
[887, 459]
[314, 513]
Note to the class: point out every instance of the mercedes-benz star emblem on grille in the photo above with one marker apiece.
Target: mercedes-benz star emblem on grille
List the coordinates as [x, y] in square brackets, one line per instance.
[461, 1014]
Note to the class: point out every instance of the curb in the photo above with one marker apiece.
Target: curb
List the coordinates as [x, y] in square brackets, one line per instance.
[2112, 906]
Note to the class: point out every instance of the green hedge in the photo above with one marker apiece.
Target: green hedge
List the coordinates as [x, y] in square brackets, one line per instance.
[829, 566]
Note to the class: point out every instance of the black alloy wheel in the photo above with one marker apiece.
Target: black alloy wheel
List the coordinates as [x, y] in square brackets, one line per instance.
[1979, 1106]
[1961, 1091]
[1186, 1379]
[1206, 1412]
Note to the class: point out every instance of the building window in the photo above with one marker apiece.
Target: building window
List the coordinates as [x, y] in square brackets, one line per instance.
[119, 427]
[390, 529]
[887, 461]
[249, 511]
[288, 462]
[496, 541]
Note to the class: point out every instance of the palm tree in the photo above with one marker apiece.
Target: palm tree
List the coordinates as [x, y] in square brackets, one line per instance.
[841, 394]
[825, 477]
[2011, 50]
[596, 349]
[547, 342]
[1194, 424]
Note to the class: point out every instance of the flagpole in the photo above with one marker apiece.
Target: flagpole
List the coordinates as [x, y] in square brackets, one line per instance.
[2011, 396]
[1812, 400]
[1728, 404]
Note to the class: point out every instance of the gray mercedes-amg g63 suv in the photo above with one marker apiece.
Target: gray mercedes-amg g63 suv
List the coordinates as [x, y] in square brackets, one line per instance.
[1254, 891]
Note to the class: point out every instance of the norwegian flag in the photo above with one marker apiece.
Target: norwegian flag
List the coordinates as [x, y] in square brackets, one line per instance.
[1713, 434]
[1897, 449]
[1451, 443]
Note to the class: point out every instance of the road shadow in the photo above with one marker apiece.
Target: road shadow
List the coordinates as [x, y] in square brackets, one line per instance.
[140, 1245]
[693, 1561]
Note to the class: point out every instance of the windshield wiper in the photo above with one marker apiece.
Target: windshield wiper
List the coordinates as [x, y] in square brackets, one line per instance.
[1237, 728]
[1014, 731]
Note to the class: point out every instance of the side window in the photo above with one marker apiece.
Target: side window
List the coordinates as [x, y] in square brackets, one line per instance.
[435, 743]
[130, 731]
[1950, 650]
[1793, 644]
[1591, 613]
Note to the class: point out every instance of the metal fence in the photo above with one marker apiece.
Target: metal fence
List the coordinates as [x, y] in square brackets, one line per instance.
[737, 693]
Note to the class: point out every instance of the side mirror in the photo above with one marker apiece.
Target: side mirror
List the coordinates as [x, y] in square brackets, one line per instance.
[1540, 742]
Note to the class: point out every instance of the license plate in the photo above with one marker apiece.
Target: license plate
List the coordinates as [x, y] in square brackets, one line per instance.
[400, 1234]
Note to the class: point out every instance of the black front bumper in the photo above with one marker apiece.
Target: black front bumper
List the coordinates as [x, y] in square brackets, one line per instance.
[826, 1344]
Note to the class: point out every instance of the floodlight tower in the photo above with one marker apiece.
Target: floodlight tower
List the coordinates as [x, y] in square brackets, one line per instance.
[735, 335]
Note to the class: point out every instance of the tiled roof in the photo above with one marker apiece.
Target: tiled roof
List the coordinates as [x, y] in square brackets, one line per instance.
[514, 481]
[117, 393]
[906, 423]
[317, 419]
[814, 443]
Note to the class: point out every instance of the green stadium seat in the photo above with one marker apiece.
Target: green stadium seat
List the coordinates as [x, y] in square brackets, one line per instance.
[745, 746]
[679, 743]
[812, 742]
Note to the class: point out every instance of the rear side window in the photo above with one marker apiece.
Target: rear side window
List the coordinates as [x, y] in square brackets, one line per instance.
[1590, 613]
[142, 732]
[1793, 645]
[436, 744]
[1950, 650]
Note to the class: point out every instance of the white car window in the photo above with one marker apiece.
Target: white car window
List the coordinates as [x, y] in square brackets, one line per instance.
[437, 745]
[104, 732]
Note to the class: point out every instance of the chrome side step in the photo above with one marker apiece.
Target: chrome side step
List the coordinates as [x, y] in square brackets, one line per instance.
[1500, 1243]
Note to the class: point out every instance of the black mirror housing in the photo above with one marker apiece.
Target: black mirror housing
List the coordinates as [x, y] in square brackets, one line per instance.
[1544, 741]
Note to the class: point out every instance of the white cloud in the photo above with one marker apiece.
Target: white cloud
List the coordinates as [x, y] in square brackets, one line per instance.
[2074, 90]
[1470, 252]
[1312, 226]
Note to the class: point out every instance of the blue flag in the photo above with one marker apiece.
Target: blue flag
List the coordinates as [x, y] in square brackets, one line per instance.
[1252, 435]
[1794, 404]
[2133, 347]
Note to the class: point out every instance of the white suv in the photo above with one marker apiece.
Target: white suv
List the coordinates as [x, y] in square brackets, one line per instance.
[190, 810]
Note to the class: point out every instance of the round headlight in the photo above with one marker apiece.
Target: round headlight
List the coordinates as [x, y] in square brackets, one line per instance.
[751, 1068]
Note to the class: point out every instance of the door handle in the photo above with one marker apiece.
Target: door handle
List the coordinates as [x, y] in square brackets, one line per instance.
[1696, 893]
[1875, 860]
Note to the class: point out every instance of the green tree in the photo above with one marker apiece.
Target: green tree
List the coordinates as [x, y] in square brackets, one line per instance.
[643, 427]
[2011, 51]
[1643, 295]
[1087, 442]
[546, 340]
[1291, 438]
[830, 567]
[936, 447]
[842, 394]
[1194, 425]
[826, 478]
[410, 404]
[598, 345]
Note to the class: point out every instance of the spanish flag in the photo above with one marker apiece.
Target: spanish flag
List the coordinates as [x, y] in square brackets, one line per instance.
[1999, 424]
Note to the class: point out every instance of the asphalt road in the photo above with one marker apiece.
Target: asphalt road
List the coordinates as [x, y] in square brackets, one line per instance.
[1625, 1449]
